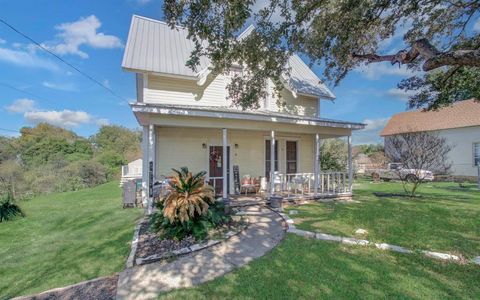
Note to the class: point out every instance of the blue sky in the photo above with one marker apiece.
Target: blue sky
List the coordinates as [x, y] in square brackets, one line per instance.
[91, 35]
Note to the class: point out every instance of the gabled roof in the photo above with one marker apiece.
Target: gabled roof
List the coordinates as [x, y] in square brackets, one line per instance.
[461, 114]
[152, 46]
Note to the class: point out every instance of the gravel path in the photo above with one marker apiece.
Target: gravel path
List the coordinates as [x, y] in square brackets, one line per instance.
[265, 231]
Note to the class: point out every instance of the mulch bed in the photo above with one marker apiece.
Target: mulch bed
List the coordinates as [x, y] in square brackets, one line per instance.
[101, 288]
[149, 243]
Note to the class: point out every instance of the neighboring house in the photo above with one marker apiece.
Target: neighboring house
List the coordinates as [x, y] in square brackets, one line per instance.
[188, 119]
[131, 171]
[459, 124]
[361, 163]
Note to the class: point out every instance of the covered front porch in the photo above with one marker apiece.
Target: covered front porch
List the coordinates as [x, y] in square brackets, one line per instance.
[260, 158]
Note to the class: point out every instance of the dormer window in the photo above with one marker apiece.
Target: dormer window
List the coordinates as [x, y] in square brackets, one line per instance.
[235, 71]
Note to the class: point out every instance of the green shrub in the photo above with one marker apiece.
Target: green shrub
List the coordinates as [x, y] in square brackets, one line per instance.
[197, 227]
[8, 209]
[188, 209]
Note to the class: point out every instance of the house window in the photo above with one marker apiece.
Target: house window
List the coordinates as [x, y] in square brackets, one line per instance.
[268, 157]
[291, 157]
[235, 71]
[476, 154]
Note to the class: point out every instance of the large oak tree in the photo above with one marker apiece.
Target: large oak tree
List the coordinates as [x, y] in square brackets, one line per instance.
[339, 35]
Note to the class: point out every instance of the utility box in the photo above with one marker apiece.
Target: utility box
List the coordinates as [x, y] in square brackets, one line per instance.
[129, 193]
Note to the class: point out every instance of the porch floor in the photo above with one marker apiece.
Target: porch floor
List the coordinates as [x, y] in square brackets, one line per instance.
[260, 199]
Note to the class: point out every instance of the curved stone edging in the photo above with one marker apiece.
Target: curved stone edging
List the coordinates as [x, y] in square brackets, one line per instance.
[133, 251]
[354, 241]
[188, 249]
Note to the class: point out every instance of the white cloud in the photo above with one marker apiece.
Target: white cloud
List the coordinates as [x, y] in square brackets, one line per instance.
[26, 59]
[374, 71]
[375, 124]
[400, 94]
[21, 106]
[371, 133]
[102, 122]
[106, 83]
[63, 118]
[69, 87]
[82, 32]
[2, 41]
[476, 26]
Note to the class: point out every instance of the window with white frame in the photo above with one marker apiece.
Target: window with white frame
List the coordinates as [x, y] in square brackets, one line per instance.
[476, 154]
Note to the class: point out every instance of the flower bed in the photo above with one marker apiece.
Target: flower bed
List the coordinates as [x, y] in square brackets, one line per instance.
[151, 247]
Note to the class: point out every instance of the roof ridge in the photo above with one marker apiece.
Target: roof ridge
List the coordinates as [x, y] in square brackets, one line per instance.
[158, 21]
[460, 114]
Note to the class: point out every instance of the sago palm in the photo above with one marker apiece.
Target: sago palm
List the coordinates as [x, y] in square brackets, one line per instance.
[188, 196]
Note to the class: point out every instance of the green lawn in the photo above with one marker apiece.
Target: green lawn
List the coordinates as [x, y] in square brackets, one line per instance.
[65, 238]
[444, 217]
[301, 268]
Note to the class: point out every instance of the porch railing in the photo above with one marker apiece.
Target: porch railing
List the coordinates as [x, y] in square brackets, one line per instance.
[303, 184]
[297, 184]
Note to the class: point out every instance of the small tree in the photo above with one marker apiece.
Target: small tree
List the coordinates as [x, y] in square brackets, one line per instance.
[419, 152]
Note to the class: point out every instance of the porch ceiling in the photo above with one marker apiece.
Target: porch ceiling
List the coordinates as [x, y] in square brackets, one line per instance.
[223, 117]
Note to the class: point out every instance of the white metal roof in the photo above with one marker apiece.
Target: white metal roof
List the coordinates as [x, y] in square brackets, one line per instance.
[153, 46]
[303, 80]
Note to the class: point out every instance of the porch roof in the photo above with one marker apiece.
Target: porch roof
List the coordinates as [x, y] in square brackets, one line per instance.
[232, 113]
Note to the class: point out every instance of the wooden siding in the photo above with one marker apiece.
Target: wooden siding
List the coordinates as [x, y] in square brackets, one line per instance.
[167, 90]
[177, 147]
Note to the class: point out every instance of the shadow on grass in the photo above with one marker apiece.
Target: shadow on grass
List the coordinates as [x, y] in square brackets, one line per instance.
[308, 269]
[397, 195]
[438, 221]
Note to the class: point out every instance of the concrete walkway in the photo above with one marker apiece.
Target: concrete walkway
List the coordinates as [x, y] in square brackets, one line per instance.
[265, 231]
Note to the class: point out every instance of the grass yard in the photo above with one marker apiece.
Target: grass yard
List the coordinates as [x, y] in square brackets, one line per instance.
[301, 268]
[65, 238]
[445, 217]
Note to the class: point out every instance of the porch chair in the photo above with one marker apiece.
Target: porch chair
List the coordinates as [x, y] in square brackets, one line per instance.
[246, 184]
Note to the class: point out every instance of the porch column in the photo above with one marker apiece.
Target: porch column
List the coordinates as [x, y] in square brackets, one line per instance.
[316, 164]
[151, 166]
[350, 169]
[272, 163]
[145, 166]
[224, 165]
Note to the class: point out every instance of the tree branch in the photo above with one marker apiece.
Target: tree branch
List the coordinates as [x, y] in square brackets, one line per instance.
[433, 58]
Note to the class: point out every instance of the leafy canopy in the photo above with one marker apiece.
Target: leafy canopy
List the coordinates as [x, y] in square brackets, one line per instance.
[338, 35]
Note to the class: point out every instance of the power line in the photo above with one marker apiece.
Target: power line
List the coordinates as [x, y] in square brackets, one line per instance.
[21, 91]
[61, 59]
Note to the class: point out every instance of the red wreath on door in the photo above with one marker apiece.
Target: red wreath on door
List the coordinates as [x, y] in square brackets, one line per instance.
[214, 156]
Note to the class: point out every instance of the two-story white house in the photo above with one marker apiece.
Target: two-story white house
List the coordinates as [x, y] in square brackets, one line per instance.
[188, 120]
